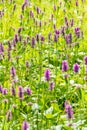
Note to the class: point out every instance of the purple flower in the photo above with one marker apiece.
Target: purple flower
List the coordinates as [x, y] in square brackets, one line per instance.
[1, 48]
[4, 91]
[68, 38]
[27, 64]
[47, 74]
[1, 88]
[57, 32]
[38, 10]
[16, 38]
[42, 38]
[65, 66]
[0, 13]
[85, 59]
[19, 30]
[54, 7]
[9, 46]
[25, 125]
[14, 8]
[76, 67]
[13, 71]
[40, 24]
[28, 91]
[20, 38]
[13, 92]
[66, 21]
[65, 104]
[63, 30]
[37, 37]
[77, 32]
[33, 42]
[23, 6]
[51, 86]
[26, 1]
[20, 92]
[55, 38]
[31, 14]
[69, 111]
[76, 2]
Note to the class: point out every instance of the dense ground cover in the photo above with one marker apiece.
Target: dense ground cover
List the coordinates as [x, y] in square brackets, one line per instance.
[43, 65]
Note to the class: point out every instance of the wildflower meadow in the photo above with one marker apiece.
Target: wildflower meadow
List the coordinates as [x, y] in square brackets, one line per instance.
[43, 64]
